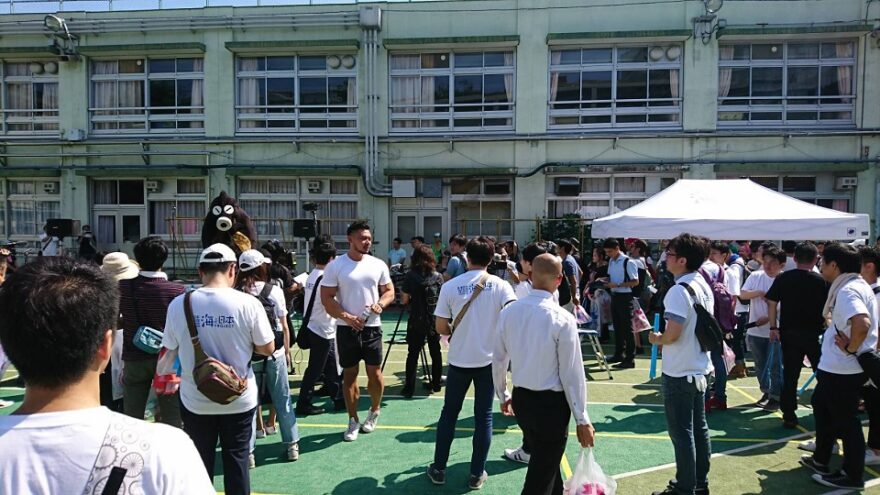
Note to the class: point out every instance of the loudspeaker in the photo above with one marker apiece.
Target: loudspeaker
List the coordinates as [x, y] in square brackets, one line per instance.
[306, 228]
[62, 227]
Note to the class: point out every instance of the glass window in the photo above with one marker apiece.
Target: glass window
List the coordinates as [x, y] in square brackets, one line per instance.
[798, 184]
[28, 203]
[118, 192]
[462, 91]
[777, 84]
[466, 186]
[314, 93]
[29, 92]
[615, 87]
[147, 95]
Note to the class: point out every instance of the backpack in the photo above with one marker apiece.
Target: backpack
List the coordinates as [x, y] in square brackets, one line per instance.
[269, 308]
[644, 280]
[707, 330]
[431, 293]
[724, 300]
[564, 291]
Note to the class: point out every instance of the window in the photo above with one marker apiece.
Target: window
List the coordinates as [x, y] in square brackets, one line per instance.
[603, 195]
[148, 95]
[177, 207]
[118, 192]
[816, 189]
[29, 102]
[795, 83]
[27, 205]
[296, 94]
[461, 91]
[273, 204]
[622, 86]
[482, 206]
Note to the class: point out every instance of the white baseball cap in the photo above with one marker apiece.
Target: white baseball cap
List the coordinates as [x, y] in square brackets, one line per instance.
[252, 259]
[217, 253]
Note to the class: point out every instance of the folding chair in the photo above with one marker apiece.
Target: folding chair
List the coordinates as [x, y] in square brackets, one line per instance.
[592, 336]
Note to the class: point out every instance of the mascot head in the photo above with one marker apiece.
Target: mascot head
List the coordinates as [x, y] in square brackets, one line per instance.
[228, 223]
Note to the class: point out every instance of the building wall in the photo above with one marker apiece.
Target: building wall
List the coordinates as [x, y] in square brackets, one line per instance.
[531, 154]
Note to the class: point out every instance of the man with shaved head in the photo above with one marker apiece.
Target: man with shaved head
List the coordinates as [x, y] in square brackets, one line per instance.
[540, 339]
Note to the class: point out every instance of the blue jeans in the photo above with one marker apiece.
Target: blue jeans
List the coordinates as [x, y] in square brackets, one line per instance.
[279, 389]
[686, 422]
[719, 387]
[458, 381]
[770, 382]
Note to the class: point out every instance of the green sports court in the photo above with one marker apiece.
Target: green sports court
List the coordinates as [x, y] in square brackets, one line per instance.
[753, 453]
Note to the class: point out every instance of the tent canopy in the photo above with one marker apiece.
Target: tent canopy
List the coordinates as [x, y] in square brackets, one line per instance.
[730, 209]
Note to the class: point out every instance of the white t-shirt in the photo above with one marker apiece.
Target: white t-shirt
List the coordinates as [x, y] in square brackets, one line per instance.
[523, 290]
[738, 271]
[229, 323]
[684, 357]
[790, 264]
[49, 245]
[357, 283]
[759, 280]
[473, 342]
[276, 295]
[55, 453]
[320, 323]
[854, 298]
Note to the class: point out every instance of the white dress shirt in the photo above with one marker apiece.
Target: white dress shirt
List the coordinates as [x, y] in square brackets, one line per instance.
[540, 338]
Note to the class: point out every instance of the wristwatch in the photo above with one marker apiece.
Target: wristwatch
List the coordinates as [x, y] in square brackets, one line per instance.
[774, 328]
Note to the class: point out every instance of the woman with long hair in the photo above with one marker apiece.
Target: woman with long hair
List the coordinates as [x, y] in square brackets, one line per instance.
[253, 278]
[420, 290]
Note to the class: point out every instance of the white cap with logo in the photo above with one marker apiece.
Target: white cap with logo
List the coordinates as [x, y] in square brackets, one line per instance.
[217, 253]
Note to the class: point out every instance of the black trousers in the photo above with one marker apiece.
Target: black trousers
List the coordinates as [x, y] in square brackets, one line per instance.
[872, 407]
[415, 341]
[836, 409]
[543, 417]
[621, 316]
[794, 347]
[234, 432]
[322, 359]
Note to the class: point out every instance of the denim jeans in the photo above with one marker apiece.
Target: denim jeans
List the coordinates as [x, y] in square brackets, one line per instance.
[686, 422]
[770, 382]
[279, 389]
[458, 381]
[719, 387]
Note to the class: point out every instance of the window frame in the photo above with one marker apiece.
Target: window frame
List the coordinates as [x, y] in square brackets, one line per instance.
[451, 115]
[788, 103]
[296, 114]
[611, 196]
[481, 197]
[615, 107]
[147, 114]
[820, 193]
[50, 116]
[38, 196]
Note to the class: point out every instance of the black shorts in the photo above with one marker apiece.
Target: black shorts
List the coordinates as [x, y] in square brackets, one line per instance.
[355, 346]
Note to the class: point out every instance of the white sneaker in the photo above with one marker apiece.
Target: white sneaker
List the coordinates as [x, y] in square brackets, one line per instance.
[810, 446]
[261, 433]
[271, 430]
[351, 434]
[370, 423]
[517, 455]
[252, 462]
[5, 403]
[871, 458]
[292, 451]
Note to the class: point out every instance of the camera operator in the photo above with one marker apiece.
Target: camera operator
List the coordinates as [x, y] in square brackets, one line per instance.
[504, 268]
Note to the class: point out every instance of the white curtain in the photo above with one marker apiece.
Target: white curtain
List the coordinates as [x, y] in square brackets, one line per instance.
[343, 212]
[844, 72]
[104, 192]
[595, 185]
[405, 90]
[21, 218]
[18, 97]
[508, 81]
[50, 97]
[629, 184]
[106, 229]
[725, 73]
[104, 92]
[555, 58]
[249, 92]
[351, 100]
[198, 99]
[189, 217]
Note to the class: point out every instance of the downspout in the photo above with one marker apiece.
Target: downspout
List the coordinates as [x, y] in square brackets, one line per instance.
[370, 21]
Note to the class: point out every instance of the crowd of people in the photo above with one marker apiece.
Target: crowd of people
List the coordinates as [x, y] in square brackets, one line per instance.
[101, 347]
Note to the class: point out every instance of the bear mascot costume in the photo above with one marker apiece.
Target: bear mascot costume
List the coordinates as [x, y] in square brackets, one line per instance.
[228, 224]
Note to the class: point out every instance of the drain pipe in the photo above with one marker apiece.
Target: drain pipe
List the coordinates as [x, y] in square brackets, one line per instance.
[371, 23]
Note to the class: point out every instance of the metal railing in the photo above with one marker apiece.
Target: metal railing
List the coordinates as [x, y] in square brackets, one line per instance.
[45, 7]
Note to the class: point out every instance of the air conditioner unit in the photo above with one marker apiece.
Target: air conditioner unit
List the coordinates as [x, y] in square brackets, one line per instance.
[841, 183]
[49, 187]
[153, 185]
[315, 186]
[568, 186]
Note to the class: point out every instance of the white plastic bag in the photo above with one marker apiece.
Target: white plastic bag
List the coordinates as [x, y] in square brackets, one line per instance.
[588, 478]
[583, 318]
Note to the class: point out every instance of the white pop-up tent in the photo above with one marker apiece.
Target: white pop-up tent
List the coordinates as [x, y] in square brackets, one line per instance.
[730, 209]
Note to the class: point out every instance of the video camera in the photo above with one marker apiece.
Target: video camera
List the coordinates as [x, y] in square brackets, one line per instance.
[499, 262]
[280, 254]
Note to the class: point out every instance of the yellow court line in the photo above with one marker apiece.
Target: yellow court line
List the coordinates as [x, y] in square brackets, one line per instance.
[566, 467]
[799, 427]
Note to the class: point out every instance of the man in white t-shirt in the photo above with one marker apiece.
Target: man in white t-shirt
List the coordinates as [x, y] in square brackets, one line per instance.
[355, 290]
[322, 340]
[767, 353]
[48, 243]
[852, 307]
[870, 259]
[231, 327]
[57, 328]
[472, 342]
[685, 366]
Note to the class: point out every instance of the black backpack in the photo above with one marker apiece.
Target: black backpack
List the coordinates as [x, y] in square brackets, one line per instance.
[269, 307]
[431, 292]
[564, 291]
[643, 274]
[708, 331]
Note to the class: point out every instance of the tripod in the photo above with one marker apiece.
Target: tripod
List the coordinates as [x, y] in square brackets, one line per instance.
[424, 356]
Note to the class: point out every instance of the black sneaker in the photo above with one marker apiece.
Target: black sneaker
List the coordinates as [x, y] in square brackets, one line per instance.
[322, 392]
[625, 365]
[614, 359]
[771, 405]
[309, 411]
[809, 462]
[762, 401]
[476, 482]
[437, 476]
[839, 480]
[671, 490]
